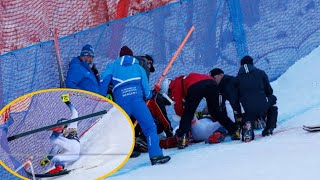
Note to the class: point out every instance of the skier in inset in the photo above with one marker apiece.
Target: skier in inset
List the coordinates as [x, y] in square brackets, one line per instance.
[67, 144]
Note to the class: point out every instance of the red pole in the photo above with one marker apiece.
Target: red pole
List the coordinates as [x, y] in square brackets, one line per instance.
[157, 86]
[56, 45]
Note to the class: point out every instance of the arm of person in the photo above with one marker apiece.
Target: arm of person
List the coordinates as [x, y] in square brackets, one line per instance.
[105, 80]
[74, 76]
[145, 84]
[232, 95]
[177, 96]
[267, 87]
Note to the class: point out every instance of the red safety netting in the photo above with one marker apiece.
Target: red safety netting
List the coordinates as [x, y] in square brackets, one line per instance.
[27, 22]
[19, 106]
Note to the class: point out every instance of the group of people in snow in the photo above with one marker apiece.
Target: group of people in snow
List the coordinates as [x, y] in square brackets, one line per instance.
[126, 82]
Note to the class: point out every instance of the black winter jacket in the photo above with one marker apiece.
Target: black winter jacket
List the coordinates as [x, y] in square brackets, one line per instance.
[229, 91]
[254, 89]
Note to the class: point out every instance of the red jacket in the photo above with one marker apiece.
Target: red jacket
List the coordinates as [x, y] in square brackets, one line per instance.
[179, 87]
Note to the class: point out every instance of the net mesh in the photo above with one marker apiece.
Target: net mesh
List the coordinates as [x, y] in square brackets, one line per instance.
[28, 22]
[42, 110]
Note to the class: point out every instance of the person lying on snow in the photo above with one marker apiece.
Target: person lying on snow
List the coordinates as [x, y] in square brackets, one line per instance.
[67, 145]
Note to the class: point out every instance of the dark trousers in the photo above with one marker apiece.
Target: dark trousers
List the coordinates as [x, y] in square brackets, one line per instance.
[204, 89]
[270, 114]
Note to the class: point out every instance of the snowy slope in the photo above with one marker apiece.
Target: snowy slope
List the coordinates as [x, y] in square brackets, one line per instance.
[104, 147]
[290, 153]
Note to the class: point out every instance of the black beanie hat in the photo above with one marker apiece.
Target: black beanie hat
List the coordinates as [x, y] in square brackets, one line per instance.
[216, 71]
[246, 60]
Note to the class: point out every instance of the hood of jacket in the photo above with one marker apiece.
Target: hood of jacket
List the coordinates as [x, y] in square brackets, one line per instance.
[246, 68]
[126, 61]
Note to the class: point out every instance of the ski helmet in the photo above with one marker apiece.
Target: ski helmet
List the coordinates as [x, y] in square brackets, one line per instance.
[59, 128]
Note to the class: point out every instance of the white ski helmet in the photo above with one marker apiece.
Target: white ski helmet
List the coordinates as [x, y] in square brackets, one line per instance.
[165, 86]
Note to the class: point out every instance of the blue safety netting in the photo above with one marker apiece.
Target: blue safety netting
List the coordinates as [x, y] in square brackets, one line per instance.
[275, 33]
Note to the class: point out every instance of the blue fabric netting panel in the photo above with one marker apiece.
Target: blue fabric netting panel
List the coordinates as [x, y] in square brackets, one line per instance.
[280, 32]
[45, 109]
[28, 70]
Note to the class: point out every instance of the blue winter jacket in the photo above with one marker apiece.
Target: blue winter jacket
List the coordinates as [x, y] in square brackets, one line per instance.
[128, 79]
[80, 76]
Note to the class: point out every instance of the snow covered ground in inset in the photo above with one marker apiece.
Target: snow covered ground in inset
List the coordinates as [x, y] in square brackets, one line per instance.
[104, 147]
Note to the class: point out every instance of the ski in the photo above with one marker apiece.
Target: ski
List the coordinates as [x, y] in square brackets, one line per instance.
[64, 172]
[312, 127]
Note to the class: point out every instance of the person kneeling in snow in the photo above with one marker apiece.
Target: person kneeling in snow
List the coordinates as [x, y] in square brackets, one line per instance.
[67, 149]
[257, 98]
[187, 92]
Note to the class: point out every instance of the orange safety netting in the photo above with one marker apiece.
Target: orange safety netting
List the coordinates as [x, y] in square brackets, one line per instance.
[23, 23]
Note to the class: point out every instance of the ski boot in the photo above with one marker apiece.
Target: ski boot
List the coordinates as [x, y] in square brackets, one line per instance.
[236, 135]
[160, 160]
[140, 145]
[183, 141]
[267, 132]
[215, 137]
[247, 132]
[59, 168]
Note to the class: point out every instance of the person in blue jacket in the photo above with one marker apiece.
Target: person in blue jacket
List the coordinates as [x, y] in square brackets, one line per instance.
[82, 73]
[130, 91]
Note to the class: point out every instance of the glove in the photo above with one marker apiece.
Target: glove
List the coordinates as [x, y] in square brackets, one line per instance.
[109, 96]
[95, 70]
[154, 93]
[44, 161]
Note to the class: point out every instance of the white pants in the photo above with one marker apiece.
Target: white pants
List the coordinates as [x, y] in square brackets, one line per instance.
[70, 152]
[201, 129]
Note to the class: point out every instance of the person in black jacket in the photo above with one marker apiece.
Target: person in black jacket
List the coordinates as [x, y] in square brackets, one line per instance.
[228, 90]
[256, 97]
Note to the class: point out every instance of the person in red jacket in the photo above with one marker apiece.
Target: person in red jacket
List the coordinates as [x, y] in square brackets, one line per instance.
[187, 93]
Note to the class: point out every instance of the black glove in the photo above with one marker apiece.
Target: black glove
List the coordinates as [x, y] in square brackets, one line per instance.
[154, 93]
[272, 100]
[95, 72]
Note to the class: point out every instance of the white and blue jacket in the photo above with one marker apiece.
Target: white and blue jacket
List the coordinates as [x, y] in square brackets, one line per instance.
[128, 79]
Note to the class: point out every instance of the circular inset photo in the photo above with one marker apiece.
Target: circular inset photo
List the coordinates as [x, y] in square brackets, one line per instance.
[64, 134]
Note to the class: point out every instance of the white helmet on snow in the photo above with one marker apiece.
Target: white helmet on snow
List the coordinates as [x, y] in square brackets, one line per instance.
[165, 86]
